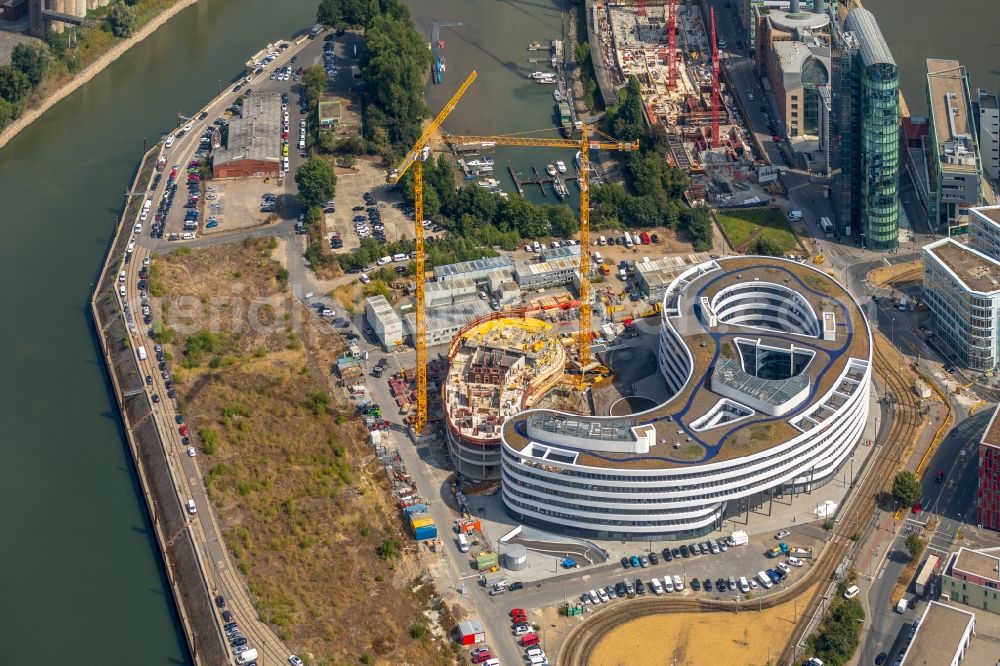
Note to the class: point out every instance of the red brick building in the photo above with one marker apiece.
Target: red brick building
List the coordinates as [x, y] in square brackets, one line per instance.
[988, 497]
[253, 148]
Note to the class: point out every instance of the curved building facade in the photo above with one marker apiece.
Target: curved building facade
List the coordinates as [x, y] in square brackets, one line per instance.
[768, 367]
[497, 366]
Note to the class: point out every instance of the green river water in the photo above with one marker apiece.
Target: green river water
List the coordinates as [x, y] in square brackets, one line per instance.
[80, 575]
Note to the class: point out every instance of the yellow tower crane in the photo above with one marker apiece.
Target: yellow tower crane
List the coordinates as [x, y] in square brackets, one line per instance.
[415, 159]
[585, 145]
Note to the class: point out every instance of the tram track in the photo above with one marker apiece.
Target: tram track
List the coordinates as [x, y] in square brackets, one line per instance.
[862, 504]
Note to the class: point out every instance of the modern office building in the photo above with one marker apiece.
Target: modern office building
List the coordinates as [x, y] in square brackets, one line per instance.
[962, 289]
[866, 133]
[988, 495]
[984, 230]
[768, 366]
[954, 166]
[972, 577]
[988, 107]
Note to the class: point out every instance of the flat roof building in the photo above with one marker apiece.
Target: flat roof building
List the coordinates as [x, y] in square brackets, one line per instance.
[989, 133]
[984, 230]
[962, 289]
[542, 274]
[942, 637]
[972, 577]
[253, 147]
[476, 269]
[988, 497]
[955, 167]
[385, 322]
[328, 113]
[444, 322]
[653, 277]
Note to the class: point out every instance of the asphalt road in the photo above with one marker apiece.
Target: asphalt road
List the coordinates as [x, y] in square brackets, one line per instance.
[223, 578]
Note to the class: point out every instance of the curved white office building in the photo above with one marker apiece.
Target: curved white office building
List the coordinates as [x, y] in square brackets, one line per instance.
[768, 367]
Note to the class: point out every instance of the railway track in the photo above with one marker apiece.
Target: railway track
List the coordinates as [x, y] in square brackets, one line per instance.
[861, 505]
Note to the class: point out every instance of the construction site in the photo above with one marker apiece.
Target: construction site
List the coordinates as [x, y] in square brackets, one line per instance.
[497, 367]
[669, 49]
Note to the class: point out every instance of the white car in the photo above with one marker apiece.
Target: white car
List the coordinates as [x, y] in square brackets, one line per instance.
[294, 661]
[678, 583]
[668, 585]
[782, 534]
[522, 630]
[191, 452]
[145, 261]
[169, 142]
[753, 584]
[784, 567]
[795, 562]
[603, 596]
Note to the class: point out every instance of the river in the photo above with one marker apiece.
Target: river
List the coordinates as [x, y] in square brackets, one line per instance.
[964, 30]
[493, 39]
[80, 574]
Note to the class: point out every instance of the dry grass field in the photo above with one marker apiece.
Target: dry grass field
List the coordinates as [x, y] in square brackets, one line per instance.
[303, 503]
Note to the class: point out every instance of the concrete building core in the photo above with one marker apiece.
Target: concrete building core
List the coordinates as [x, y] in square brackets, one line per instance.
[497, 367]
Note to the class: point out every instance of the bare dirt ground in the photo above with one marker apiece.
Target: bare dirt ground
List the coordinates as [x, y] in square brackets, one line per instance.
[303, 503]
[748, 638]
[897, 276]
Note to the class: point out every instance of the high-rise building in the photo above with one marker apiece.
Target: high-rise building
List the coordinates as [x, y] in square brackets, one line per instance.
[988, 495]
[866, 132]
[954, 169]
[989, 133]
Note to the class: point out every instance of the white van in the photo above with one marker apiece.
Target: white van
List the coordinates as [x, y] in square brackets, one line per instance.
[384, 260]
[598, 259]
[744, 585]
[795, 215]
[192, 509]
[247, 657]
[142, 353]
[400, 257]
[852, 592]
[537, 660]
[463, 543]
[535, 652]
[765, 580]
[602, 241]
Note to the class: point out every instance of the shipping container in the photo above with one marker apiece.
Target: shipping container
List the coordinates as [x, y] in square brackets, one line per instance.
[425, 532]
[421, 522]
[486, 561]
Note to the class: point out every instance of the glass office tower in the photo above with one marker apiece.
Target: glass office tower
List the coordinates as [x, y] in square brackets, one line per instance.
[867, 82]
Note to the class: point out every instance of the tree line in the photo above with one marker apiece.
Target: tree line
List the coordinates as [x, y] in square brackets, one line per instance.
[60, 54]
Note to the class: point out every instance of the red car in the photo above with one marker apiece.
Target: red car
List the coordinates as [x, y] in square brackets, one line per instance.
[776, 138]
[517, 611]
[916, 508]
[284, 134]
[183, 430]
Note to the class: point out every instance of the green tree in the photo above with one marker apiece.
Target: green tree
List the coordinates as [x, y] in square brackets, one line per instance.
[699, 227]
[14, 84]
[562, 221]
[58, 42]
[32, 59]
[317, 182]
[906, 488]
[914, 545]
[7, 111]
[341, 13]
[627, 120]
[314, 79]
[122, 20]
[767, 247]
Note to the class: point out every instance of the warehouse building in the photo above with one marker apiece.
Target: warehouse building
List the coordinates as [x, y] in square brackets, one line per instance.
[476, 270]
[653, 277]
[385, 322]
[437, 294]
[253, 148]
[962, 289]
[501, 284]
[539, 275]
[550, 253]
[444, 323]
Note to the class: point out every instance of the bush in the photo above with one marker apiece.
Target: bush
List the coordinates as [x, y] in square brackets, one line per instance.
[418, 630]
[914, 545]
[122, 20]
[388, 549]
[839, 633]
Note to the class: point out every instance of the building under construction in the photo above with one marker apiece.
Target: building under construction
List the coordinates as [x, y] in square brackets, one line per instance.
[668, 47]
[498, 366]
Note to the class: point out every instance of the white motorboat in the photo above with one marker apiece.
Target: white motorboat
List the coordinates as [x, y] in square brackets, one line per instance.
[561, 166]
[550, 169]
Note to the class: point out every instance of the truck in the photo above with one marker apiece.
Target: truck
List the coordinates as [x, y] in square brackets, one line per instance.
[463, 543]
[247, 657]
[826, 224]
[425, 532]
[903, 304]
[901, 605]
[739, 538]
[804, 553]
[779, 550]
[605, 270]
[142, 353]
